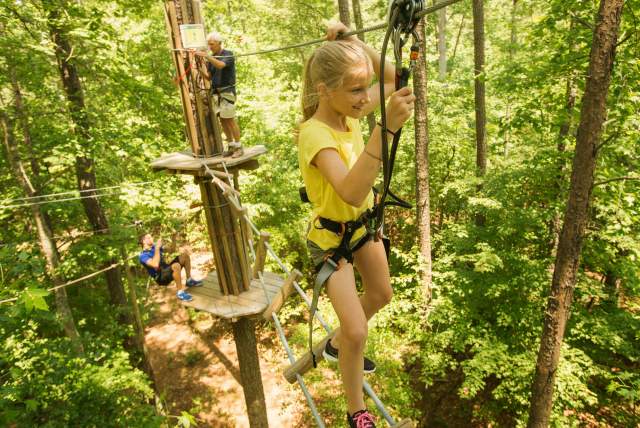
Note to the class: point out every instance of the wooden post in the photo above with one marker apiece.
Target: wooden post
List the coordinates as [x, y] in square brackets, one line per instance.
[261, 254]
[172, 24]
[212, 236]
[305, 363]
[279, 298]
[244, 335]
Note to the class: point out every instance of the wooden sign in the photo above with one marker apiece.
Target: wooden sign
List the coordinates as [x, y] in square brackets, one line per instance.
[192, 36]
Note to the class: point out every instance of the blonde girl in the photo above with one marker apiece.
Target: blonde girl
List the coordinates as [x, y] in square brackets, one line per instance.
[339, 171]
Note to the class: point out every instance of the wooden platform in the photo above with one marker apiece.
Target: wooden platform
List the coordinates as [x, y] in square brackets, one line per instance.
[186, 163]
[208, 298]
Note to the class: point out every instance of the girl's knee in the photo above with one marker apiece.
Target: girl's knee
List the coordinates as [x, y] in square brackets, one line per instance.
[381, 297]
[354, 336]
[385, 296]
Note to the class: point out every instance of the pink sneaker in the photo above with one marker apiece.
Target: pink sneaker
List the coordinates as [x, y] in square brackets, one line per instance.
[361, 419]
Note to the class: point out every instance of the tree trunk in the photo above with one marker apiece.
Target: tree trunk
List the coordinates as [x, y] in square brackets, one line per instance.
[45, 236]
[422, 167]
[22, 118]
[512, 48]
[442, 43]
[592, 116]
[85, 168]
[481, 117]
[357, 17]
[244, 334]
[343, 8]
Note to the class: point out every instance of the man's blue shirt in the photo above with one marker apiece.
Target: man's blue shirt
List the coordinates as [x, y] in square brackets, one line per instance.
[223, 79]
[147, 255]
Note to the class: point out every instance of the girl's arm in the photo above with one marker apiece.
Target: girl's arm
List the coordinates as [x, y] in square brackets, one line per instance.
[353, 185]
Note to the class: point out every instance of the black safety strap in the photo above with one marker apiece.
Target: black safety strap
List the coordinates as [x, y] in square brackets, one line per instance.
[402, 22]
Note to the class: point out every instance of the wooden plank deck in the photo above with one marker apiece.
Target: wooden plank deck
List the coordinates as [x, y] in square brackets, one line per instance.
[210, 299]
[185, 162]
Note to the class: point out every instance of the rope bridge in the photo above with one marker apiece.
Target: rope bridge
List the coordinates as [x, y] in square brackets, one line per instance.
[298, 367]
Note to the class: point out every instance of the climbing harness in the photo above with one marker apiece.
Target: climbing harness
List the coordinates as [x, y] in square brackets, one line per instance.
[344, 250]
[403, 18]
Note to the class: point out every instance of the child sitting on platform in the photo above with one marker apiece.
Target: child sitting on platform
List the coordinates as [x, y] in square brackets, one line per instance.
[152, 258]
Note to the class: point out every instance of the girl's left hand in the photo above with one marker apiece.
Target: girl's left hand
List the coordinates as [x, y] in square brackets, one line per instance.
[335, 28]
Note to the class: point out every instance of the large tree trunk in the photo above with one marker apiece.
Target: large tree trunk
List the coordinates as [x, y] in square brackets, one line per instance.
[442, 43]
[343, 8]
[85, 168]
[357, 17]
[592, 116]
[245, 337]
[45, 236]
[479, 78]
[422, 167]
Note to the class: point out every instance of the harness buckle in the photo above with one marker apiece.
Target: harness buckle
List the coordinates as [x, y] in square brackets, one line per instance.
[328, 258]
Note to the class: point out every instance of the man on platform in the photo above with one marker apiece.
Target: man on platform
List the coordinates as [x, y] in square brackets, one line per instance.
[152, 258]
[221, 69]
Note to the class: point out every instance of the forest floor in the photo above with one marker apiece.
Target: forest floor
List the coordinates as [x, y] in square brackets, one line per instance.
[194, 360]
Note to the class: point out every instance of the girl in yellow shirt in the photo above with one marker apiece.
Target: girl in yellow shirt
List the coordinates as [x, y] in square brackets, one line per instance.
[339, 171]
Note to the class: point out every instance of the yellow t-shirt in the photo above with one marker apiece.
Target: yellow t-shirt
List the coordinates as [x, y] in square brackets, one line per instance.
[314, 136]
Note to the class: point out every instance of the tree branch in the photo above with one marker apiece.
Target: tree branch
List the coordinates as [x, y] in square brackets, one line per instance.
[582, 21]
[608, 140]
[625, 178]
[22, 20]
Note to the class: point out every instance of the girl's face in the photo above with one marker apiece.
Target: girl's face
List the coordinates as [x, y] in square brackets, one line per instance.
[353, 95]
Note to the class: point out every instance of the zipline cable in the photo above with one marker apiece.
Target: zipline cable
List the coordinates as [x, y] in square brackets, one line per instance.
[379, 26]
[27, 198]
[30, 204]
[83, 233]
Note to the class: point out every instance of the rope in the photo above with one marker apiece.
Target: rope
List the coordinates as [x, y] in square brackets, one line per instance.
[87, 232]
[27, 198]
[4, 207]
[77, 280]
[375, 27]
[270, 250]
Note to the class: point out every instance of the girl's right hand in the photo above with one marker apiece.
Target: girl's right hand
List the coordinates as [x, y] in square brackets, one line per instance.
[336, 28]
[399, 108]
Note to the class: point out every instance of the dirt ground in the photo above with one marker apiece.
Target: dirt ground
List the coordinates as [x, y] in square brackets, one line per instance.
[196, 370]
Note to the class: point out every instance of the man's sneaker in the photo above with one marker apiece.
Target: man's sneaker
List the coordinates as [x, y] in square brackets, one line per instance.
[194, 282]
[331, 354]
[239, 151]
[361, 419]
[232, 148]
[184, 296]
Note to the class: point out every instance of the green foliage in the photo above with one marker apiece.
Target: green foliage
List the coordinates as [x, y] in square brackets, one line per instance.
[475, 350]
[42, 386]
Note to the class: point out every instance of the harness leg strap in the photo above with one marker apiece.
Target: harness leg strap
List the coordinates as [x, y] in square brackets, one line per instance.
[327, 269]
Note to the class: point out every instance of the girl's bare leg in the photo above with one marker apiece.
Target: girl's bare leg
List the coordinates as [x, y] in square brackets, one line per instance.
[371, 263]
[341, 288]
